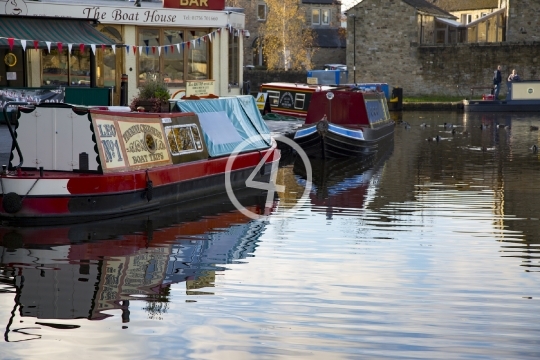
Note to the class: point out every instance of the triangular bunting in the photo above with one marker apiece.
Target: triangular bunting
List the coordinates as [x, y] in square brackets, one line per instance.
[36, 44]
[178, 47]
[147, 49]
[23, 44]
[11, 41]
[188, 44]
[59, 45]
[159, 50]
[134, 49]
[153, 50]
[48, 45]
[103, 47]
[113, 49]
[81, 48]
[69, 48]
[172, 49]
[93, 47]
[127, 49]
[166, 48]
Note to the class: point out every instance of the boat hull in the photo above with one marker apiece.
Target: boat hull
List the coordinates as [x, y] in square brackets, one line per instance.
[66, 198]
[501, 105]
[327, 141]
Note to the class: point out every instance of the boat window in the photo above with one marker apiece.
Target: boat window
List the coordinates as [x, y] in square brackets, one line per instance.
[274, 97]
[183, 139]
[299, 101]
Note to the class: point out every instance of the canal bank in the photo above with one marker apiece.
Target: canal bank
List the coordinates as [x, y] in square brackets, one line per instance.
[433, 106]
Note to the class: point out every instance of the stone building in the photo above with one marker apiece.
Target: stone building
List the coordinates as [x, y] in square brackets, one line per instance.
[392, 41]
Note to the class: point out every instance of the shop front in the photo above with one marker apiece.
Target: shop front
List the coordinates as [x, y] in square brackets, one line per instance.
[79, 47]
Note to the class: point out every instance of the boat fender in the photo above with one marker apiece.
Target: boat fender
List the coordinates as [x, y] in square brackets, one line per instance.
[12, 203]
[322, 126]
[149, 190]
[149, 187]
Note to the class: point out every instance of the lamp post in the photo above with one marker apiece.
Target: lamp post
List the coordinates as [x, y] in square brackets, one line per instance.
[353, 16]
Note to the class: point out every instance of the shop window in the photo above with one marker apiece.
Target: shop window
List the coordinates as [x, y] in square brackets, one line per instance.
[173, 66]
[261, 12]
[234, 59]
[197, 63]
[55, 67]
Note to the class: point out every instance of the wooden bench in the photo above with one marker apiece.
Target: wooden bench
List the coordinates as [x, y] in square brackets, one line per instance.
[480, 88]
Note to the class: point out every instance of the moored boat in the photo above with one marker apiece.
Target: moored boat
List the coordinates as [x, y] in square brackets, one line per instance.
[523, 96]
[71, 164]
[345, 123]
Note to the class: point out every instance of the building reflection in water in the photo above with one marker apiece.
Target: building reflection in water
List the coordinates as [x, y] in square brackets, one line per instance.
[82, 270]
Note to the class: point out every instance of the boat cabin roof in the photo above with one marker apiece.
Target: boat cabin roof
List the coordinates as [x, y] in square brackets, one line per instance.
[296, 87]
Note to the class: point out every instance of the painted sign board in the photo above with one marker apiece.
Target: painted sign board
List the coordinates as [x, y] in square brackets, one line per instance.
[195, 4]
[131, 144]
[199, 87]
[261, 100]
[312, 80]
[106, 14]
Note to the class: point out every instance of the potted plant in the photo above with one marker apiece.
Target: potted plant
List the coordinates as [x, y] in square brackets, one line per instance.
[153, 96]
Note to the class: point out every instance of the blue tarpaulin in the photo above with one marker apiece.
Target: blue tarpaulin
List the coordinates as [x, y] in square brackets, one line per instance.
[229, 121]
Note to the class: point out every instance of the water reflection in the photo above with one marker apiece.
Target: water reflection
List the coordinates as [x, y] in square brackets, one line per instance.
[80, 271]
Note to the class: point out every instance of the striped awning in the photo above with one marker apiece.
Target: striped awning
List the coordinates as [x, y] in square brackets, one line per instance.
[53, 30]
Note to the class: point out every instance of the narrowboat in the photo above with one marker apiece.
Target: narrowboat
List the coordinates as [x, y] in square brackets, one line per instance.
[70, 164]
[345, 122]
[290, 99]
[522, 96]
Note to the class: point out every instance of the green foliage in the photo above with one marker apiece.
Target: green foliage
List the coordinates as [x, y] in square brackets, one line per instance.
[154, 88]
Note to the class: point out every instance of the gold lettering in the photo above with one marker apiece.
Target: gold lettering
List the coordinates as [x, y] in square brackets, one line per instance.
[204, 3]
[184, 2]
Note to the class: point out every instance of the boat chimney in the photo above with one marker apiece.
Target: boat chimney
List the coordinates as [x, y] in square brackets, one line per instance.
[83, 161]
[4, 169]
[41, 171]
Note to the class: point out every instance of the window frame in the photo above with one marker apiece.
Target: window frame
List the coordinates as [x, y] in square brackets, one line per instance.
[299, 98]
[265, 11]
[273, 97]
[328, 12]
[318, 22]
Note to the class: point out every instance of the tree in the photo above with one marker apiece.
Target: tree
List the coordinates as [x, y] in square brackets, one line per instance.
[287, 42]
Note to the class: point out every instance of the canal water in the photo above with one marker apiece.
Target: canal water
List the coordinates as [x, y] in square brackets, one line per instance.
[428, 250]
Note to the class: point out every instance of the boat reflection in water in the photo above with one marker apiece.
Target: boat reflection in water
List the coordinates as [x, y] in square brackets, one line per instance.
[341, 186]
[79, 271]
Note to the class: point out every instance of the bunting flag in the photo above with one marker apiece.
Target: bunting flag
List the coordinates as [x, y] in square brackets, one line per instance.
[159, 50]
[170, 38]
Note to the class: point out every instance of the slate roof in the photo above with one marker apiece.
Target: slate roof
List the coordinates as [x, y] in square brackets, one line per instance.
[329, 38]
[461, 5]
[428, 8]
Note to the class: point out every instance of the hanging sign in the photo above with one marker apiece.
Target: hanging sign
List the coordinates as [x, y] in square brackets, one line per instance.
[195, 4]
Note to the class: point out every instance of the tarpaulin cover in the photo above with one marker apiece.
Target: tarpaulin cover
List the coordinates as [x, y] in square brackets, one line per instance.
[229, 121]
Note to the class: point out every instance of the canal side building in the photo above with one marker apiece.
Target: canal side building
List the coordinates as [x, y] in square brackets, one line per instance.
[431, 47]
[186, 41]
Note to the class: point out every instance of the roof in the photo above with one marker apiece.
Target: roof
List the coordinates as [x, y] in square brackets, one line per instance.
[461, 5]
[427, 8]
[329, 38]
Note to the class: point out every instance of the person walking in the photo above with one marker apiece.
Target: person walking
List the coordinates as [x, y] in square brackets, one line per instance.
[497, 79]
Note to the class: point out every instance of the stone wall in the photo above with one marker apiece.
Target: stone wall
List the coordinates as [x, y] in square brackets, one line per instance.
[523, 20]
[259, 77]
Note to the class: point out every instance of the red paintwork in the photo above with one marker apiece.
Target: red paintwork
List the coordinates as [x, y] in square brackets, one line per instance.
[195, 4]
[348, 108]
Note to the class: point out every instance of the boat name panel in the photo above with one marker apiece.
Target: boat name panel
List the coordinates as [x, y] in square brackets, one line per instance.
[184, 139]
[130, 143]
